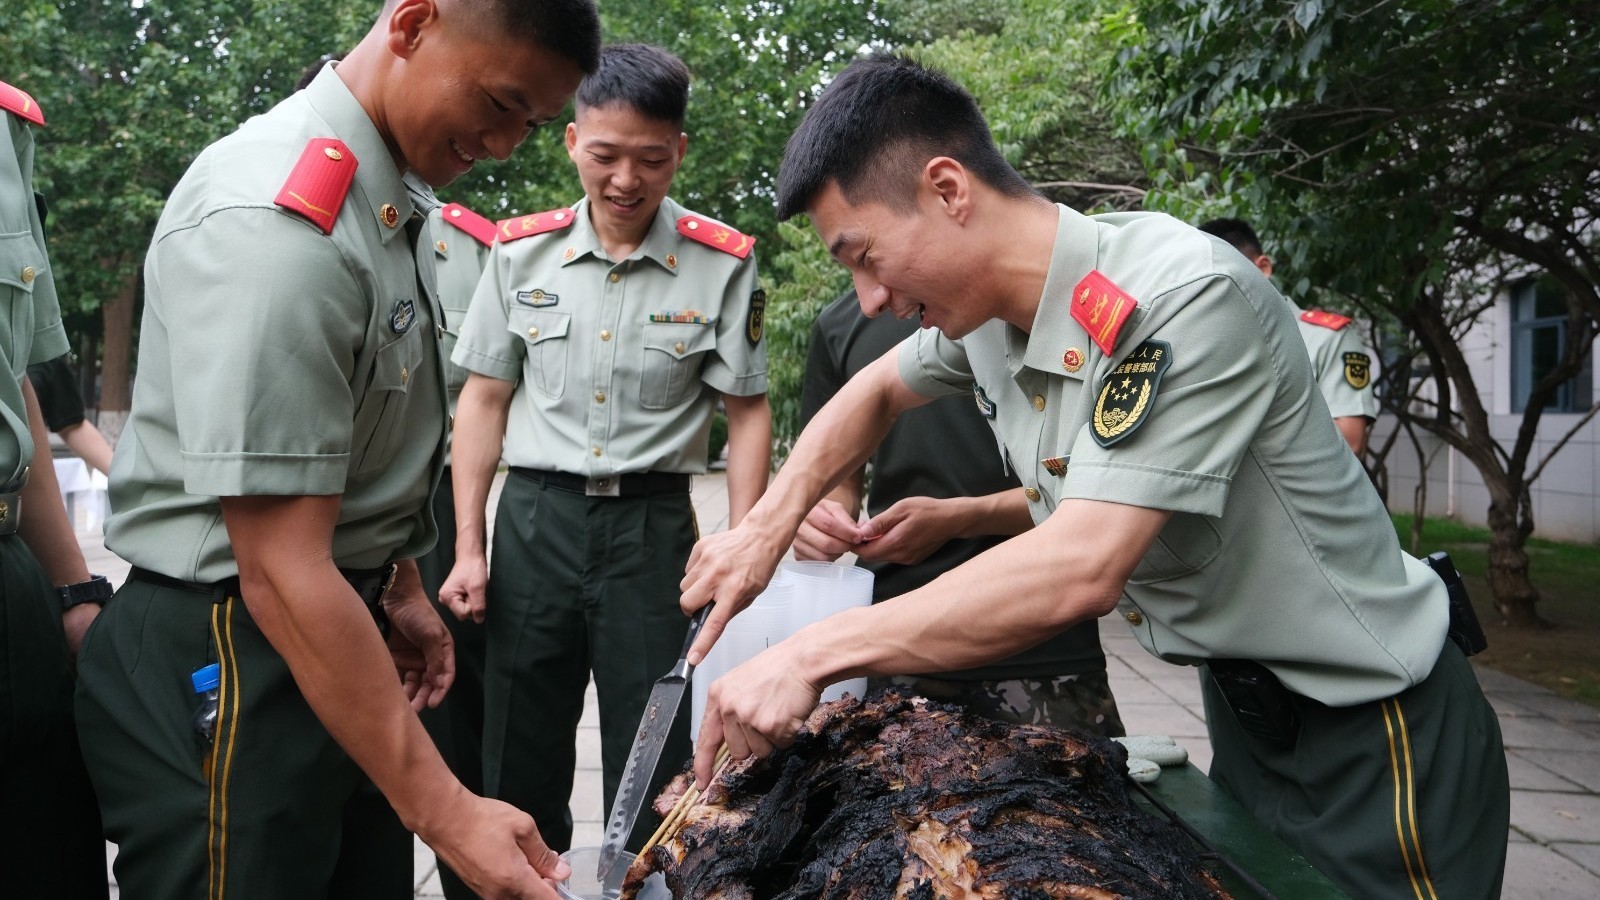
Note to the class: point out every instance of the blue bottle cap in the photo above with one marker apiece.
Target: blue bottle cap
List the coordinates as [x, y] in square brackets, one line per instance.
[206, 679]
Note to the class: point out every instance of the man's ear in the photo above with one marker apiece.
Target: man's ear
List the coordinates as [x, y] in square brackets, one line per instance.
[947, 182]
[407, 24]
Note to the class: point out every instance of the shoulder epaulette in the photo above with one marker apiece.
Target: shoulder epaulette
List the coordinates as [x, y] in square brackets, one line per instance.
[320, 181]
[17, 101]
[1325, 319]
[481, 229]
[1101, 308]
[716, 235]
[518, 227]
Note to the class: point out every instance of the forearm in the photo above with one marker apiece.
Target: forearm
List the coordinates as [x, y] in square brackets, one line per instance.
[325, 634]
[476, 442]
[89, 445]
[1001, 602]
[45, 527]
[749, 453]
[848, 492]
[1004, 513]
[1354, 430]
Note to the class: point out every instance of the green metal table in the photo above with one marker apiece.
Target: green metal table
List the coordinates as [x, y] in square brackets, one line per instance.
[1269, 868]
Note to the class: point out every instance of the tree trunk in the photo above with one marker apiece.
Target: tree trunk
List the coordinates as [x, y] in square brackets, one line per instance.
[1515, 597]
[116, 387]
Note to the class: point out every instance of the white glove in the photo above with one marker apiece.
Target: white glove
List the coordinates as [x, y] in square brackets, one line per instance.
[1147, 753]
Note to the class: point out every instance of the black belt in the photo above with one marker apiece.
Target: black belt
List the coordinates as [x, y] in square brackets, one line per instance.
[634, 484]
[10, 512]
[369, 584]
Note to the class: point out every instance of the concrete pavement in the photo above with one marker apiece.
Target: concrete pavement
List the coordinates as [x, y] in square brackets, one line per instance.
[1552, 745]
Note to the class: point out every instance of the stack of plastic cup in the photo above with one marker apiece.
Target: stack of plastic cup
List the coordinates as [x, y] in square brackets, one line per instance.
[584, 884]
[763, 623]
[821, 589]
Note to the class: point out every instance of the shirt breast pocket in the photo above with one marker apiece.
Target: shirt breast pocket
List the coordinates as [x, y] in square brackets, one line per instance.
[1186, 545]
[545, 334]
[383, 408]
[21, 264]
[673, 355]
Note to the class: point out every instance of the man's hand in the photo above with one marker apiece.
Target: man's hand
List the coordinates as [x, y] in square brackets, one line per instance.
[496, 849]
[75, 622]
[829, 532]
[423, 650]
[756, 709]
[909, 531]
[731, 568]
[465, 591]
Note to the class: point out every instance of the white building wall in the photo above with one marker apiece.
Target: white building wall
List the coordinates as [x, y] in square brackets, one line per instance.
[1566, 498]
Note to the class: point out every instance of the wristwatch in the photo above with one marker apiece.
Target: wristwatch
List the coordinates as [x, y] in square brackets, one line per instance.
[96, 590]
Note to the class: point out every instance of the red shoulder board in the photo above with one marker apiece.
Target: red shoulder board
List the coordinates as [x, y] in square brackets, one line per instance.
[17, 100]
[539, 223]
[319, 182]
[1325, 319]
[1101, 307]
[465, 219]
[716, 235]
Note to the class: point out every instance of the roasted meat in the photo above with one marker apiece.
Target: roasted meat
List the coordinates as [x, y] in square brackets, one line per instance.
[906, 798]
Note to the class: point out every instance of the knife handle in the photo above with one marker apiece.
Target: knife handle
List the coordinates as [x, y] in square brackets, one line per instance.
[684, 669]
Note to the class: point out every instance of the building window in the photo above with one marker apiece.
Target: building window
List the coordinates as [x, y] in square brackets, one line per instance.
[1538, 335]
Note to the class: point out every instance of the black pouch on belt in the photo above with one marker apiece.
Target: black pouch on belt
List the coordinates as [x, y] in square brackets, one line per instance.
[1464, 627]
[1263, 706]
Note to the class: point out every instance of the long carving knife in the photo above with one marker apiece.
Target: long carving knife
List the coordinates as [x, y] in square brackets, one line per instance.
[665, 698]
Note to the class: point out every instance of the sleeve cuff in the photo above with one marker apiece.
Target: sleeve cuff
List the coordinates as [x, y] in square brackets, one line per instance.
[275, 474]
[724, 379]
[1152, 488]
[484, 364]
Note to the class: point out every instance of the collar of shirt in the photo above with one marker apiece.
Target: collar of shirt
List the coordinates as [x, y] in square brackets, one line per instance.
[381, 183]
[1073, 256]
[660, 242]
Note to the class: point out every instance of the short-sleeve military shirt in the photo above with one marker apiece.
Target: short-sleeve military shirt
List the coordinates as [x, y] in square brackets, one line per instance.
[1277, 550]
[618, 363]
[1341, 365]
[30, 326]
[459, 258]
[276, 359]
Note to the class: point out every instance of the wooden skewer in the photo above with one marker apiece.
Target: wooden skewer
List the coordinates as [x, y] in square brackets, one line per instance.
[675, 818]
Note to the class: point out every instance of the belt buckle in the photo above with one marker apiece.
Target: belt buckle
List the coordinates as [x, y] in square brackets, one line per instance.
[610, 486]
[388, 581]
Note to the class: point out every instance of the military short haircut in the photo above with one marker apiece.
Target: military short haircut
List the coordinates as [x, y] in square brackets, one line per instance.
[1236, 232]
[569, 28]
[877, 125]
[647, 78]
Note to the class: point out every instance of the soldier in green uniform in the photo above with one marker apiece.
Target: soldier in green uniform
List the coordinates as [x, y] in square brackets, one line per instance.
[1339, 361]
[461, 241]
[599, 341]
[50, 844]
[1149, 385]
[271, 489]
[932, 512]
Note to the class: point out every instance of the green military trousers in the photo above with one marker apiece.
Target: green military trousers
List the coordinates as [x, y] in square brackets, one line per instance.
[50, 841]
[456, 725]
[273, 808]
[579, 584]
[1406, 797]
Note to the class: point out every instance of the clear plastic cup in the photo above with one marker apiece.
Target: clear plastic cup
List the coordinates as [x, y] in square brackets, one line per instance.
[584, 885]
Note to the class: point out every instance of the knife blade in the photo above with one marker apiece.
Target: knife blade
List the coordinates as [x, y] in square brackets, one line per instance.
[659, 712]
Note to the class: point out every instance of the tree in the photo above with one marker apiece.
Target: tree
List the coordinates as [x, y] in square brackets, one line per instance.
[1412, 158]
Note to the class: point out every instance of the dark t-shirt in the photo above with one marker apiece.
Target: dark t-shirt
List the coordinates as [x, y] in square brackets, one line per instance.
[941, 450]
[57, 388]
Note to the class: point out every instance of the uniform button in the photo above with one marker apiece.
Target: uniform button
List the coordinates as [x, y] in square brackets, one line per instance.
[451, 425]
[1032, 494]
[441, 246]
[599, 396]
[405, 374]
[28, 274]
[1135, 619]
[595, 450]
[615, 278]
[533, 332]
[605, 335]
[678, 347]
[332, 154]
[1038, 402]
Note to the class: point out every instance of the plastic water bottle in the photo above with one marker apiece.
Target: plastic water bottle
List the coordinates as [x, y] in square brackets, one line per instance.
[206, 681]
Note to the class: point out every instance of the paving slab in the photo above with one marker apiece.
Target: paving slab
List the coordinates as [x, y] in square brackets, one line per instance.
[1548, 817]
[1536, 871]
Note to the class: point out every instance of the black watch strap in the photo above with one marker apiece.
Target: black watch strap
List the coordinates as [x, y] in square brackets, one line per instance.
[96, 590]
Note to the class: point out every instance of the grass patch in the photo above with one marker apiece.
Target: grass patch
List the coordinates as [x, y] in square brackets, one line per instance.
[1564, 656]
